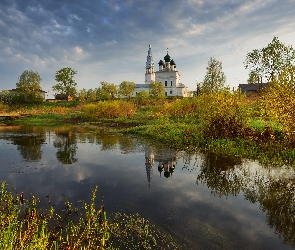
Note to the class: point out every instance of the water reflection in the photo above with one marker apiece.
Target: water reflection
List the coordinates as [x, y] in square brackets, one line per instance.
[215, 173]
[28, 141]
[66, 144]
[79, 150]
[166, 158]
[273, 188]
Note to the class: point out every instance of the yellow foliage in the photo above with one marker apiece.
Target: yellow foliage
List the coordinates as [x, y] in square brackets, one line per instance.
[278, 102]
[109, 109]
[224, 114]
[182, 108]
[3, 108]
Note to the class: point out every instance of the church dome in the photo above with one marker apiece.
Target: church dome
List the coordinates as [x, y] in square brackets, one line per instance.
[161, 63]
[172, 62]
[167, 58]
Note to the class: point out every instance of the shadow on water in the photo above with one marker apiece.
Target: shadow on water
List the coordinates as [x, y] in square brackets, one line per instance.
[271, 188]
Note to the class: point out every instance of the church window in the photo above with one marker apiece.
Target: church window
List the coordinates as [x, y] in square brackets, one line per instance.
[170, 92]
[171, 83]
[165, 83]
[165, 93]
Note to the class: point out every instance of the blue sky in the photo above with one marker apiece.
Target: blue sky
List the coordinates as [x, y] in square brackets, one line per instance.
[108, 40]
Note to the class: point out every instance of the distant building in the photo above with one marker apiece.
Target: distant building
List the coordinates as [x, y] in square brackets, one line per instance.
[41, 93]
[253, 89]
[167, 75]
[61, 97]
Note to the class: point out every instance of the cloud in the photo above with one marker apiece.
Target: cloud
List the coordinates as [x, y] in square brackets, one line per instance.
[47, 35]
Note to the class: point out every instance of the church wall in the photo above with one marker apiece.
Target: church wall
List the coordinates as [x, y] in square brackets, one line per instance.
[162, 76]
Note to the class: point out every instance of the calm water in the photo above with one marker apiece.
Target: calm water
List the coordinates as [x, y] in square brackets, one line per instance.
[205, 202]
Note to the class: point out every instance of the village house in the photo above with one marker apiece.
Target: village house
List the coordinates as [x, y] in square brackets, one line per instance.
[41, 93]
[253, 90]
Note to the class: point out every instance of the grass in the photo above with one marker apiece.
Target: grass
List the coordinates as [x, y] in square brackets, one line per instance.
[221, 123]
[26, 225]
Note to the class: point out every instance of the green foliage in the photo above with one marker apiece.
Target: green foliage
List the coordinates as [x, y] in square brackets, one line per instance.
[4, 96]
[254, 77]
[66, 84]
[28, 86]
[109, 109]
[82, 95]
[267, 63]
[86, 228]
[127, 88]
[108, 90]
[142, 97]
[214, 79]
[86, 95]
[157, 90]
[91, 95]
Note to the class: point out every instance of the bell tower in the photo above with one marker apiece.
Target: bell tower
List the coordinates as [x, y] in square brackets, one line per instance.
[149, 67]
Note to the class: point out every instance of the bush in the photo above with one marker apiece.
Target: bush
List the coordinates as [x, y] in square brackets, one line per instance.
[224, 114]
[3, 108]
[109, 109]
[186, 108]
[278, 102]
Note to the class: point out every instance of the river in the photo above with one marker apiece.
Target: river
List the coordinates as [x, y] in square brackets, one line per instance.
[203, 201]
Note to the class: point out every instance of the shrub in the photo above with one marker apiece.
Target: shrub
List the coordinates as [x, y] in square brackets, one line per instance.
[109, 109]
[278, 102]
[3, 108]
[186, 107]
[224, 114]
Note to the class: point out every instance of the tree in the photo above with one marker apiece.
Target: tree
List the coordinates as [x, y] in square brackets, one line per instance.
[267, 63]
[66, 84]
[5, 97]
[108, 90]
[28, 86]
[214, 79]
[254, 77]
[127, 88]
[157, 89]
[82, 95]
[278, 100]
[142, 97]
[91, 95]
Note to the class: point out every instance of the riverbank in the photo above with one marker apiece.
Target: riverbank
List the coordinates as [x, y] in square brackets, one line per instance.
[223, 124]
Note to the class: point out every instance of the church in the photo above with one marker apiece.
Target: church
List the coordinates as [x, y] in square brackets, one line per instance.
[167, 75]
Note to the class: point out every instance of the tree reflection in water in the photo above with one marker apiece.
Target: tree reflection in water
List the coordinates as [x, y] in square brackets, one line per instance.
[29, 141]
[272, 187]
[214, 172]
[66, 145]
[222, 175]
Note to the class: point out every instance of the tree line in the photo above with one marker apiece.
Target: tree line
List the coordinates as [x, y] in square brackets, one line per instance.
[28, 89]
[264, 65]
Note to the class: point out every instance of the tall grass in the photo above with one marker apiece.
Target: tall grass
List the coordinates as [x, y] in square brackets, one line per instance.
[26, 225]
[109, 109]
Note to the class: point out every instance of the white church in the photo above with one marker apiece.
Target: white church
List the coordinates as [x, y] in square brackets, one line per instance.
[167, 75]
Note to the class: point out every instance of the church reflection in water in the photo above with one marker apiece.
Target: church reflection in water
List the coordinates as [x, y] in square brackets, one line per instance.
[166, 159]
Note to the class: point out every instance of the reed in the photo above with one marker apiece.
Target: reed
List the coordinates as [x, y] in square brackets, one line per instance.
[26, 225]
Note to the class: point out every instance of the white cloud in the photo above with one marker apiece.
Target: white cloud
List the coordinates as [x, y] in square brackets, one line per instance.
[84, 35]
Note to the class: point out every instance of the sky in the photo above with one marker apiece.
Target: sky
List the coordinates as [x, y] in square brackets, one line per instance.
[108, 40]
